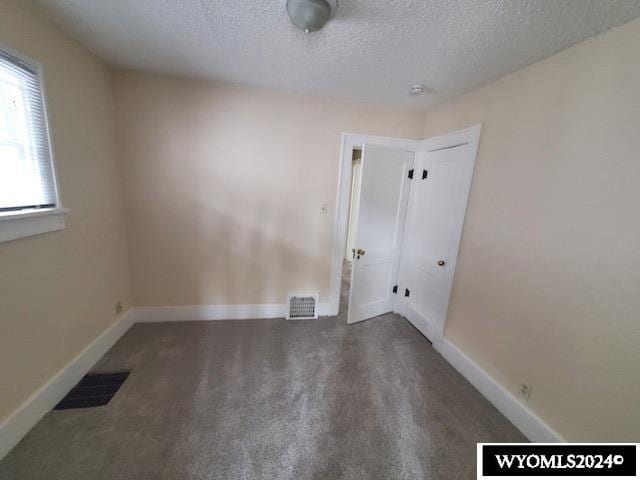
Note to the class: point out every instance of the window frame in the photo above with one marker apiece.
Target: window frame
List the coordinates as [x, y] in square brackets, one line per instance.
[27, 222]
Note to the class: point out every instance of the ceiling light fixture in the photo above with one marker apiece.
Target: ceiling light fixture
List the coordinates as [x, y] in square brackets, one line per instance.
[311, 15]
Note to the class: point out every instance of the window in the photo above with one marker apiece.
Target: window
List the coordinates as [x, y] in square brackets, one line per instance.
[27, 180]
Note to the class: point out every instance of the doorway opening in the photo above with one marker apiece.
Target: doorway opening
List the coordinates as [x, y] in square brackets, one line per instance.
[352, 149]
[354, 196]
[377, 193]
[389, 189]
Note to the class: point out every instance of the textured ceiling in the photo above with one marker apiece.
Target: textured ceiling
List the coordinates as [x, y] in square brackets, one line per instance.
[373, 50]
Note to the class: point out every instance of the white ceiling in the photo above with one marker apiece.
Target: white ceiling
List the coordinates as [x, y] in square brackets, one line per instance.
[373, 50]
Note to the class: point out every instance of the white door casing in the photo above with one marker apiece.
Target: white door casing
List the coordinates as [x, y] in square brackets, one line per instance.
[435, 218]
[379, 230]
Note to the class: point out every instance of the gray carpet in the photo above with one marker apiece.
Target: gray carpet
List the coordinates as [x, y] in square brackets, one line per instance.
[269, 399]
[344, 291]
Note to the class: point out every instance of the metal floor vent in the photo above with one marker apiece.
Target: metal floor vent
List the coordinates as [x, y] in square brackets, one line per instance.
[302, 306]
[94, 390]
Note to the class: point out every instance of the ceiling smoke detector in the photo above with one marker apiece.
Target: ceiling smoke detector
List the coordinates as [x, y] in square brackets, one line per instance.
[311, 15]
[417, 90]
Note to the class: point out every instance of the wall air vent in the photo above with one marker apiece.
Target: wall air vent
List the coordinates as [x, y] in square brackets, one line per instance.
[302, 306]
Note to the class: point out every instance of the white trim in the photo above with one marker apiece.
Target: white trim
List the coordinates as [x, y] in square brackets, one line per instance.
[25, 417]
[186, 313]
[348, 142]
[14, 225]
[465, 136]
[513, 409]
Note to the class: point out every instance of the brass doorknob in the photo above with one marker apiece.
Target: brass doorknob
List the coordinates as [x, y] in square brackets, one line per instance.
[360, 252]
[441, 263]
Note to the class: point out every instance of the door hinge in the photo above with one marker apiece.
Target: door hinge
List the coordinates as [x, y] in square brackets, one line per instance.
[411, 173]
[395, 289]
[406, 292]
[425, 173]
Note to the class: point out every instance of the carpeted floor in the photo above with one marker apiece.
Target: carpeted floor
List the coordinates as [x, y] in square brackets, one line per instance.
[269, 399]
[344, 291]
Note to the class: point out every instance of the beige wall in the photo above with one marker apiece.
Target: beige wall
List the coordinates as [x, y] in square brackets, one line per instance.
[58, 290]
[224, 186]
[547, 289]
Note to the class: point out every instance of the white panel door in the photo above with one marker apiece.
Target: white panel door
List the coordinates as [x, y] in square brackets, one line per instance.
[384, 191]
[434, 226]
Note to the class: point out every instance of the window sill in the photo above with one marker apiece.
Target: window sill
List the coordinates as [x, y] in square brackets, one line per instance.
[14, 225]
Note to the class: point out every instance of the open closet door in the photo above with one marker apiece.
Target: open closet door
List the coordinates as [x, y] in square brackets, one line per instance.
[384, 191]
[434, 227]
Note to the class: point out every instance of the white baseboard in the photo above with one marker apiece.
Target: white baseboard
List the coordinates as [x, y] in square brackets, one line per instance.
[520, 415]
[215, 312]
[16, 426]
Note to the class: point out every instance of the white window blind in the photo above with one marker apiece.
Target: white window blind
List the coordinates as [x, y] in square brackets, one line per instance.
[26, 170]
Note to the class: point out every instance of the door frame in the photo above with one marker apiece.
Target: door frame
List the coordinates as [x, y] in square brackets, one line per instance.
[341, 221]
